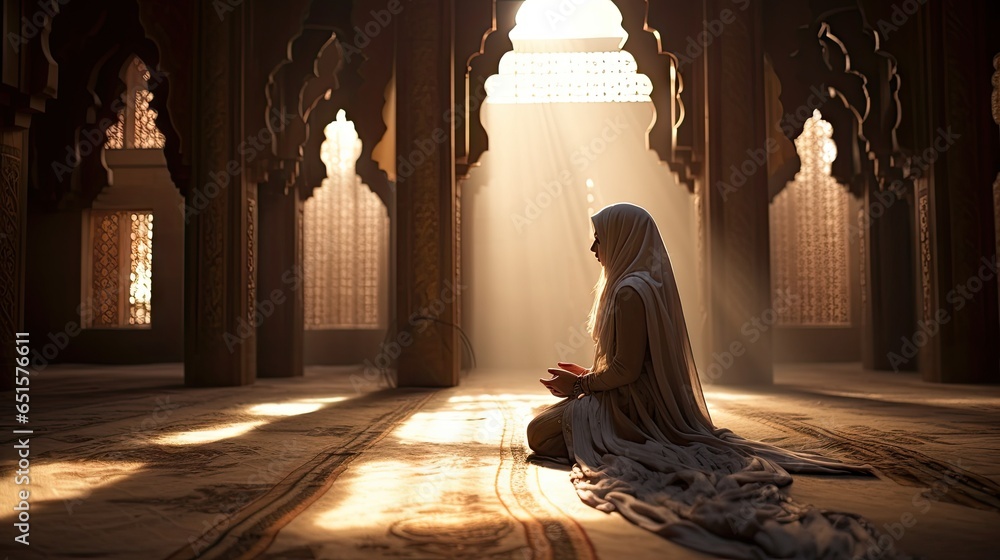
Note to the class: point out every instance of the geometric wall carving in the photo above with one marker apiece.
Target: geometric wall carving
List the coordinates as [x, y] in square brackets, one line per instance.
[809, 237]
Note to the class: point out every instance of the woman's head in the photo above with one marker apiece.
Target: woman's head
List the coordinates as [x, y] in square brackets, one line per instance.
[626, 241]
[621, 234]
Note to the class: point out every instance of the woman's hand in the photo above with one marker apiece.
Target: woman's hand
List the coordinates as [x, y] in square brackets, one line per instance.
[572, 368]
[561, 383]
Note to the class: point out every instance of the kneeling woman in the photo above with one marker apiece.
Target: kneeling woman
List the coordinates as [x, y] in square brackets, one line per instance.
[638, 429]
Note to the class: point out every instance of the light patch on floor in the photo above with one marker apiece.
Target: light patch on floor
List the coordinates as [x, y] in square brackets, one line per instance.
[308, 468]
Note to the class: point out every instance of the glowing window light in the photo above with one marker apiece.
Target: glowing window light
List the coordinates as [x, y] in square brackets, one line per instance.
[136, 124]
[809, 236]
[116, 133]
[568, 52]
[208, 435]
[121, 269]
[147, 136]
[549, 24]
[345, 240]
[141, 275]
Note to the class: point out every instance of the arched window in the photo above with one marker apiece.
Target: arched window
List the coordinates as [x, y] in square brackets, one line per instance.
[118, 244]
[346, 241]
[809, 236]
[136, 125]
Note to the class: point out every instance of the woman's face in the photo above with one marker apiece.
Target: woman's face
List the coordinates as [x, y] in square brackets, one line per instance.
[596, 248]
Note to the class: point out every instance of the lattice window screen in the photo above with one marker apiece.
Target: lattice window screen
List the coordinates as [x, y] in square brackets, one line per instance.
[116, 133]
[345, 240]
[809, 236]
[121, 272]
[136, 125]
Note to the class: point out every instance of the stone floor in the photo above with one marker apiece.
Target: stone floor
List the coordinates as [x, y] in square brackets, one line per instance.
[127, 463]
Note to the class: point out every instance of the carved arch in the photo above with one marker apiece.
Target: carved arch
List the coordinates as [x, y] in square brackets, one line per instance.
[91, 46]
[837, 50]
[369, 67]
[483, 39]
[479, 22]
[672, 134]
[293, 90]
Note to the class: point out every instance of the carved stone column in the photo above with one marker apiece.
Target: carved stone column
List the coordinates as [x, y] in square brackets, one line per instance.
[426, 274]
[736, 198]
[996, 182]
[28, 79]
[13, 206]
[220, 346]
[279, 281]
[959, 329]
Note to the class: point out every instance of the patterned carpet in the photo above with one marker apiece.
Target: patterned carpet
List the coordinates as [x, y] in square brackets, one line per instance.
[129, 464]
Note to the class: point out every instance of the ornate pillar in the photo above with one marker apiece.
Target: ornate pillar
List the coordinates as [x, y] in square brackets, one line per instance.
[13, 212]
[27, 81]
[220, 347]
[297, 60]
[996, 182]
[426, 233]
[959, 327]
[279, 280]
[736, 199]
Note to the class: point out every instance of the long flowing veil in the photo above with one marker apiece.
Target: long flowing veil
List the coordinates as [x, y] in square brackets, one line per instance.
[701, 486]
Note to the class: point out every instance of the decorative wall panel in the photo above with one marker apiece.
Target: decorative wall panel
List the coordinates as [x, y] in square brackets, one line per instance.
[926, 265]
[10, 239]
[345, 240]
[809, 236]
[121, 269]
[105, 268]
